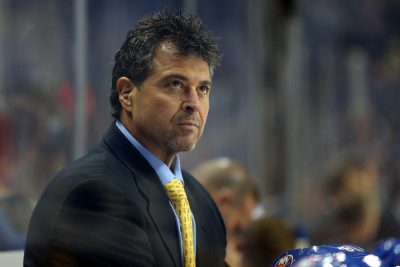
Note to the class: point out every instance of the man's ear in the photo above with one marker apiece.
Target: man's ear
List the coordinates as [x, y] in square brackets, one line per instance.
[125, 87]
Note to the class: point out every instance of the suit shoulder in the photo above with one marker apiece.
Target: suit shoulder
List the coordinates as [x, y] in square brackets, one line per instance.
[99, 164]
[97, 167]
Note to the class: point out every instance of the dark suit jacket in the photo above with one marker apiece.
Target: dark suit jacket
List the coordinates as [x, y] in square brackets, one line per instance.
[109, 208]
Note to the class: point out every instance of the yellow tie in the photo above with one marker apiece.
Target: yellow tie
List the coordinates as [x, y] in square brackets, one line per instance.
[177, 196]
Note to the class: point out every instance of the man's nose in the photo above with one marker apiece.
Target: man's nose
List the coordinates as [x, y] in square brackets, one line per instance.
[190, 101]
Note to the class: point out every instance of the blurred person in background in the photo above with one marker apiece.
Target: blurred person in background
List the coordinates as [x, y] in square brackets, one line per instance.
[115, 205]
[265, 239]
[30, 148]
[234, 192]
[354, 211]
[12, 226]
[394, 193]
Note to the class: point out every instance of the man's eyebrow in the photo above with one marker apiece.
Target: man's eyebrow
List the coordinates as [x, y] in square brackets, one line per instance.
[184, 78]
[206, 82]
[175, 76]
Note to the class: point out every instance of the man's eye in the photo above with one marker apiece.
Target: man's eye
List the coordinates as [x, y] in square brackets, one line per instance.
[204, 89]
[176, 84]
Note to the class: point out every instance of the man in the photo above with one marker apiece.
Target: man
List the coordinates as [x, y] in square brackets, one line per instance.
[265, 238]
[233, 191]
[354, 212]
[110, 208]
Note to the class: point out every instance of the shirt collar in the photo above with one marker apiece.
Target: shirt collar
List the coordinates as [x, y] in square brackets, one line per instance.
[164, 173]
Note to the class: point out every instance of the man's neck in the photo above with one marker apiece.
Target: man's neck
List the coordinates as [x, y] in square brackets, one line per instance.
[162, 155]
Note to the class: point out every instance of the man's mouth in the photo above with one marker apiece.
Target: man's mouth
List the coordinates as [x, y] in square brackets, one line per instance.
[189, 123]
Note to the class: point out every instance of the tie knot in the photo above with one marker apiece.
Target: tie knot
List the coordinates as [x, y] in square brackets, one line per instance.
[175, 190]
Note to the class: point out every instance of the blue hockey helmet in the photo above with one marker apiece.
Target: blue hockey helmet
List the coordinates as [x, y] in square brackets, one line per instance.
[343, 255]
[388, 250]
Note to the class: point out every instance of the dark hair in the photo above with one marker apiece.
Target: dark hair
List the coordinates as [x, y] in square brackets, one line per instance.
[185, 32]
[265, 239]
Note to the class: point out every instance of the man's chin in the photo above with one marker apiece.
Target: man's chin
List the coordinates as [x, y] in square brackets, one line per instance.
[183, 146]
[188, 147]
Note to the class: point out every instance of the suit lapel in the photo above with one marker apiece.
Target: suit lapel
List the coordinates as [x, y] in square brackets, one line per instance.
[151, 187]
[161, 213]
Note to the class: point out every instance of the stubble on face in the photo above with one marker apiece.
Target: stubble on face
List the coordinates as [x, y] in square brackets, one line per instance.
[179, 140]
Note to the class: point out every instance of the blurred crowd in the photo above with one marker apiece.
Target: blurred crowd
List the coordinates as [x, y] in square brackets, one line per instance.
[345, 152]
[353, 217]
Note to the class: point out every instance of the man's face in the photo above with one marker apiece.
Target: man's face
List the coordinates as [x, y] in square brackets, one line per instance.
[169, 109]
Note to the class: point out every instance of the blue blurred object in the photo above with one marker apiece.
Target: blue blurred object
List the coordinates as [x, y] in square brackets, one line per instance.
[9, 238]
[388, 251]
[342, 255]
